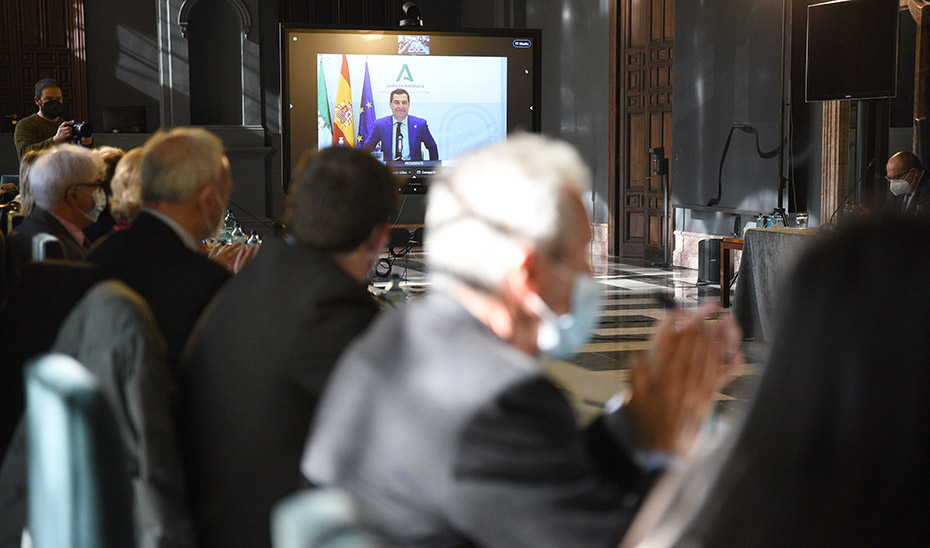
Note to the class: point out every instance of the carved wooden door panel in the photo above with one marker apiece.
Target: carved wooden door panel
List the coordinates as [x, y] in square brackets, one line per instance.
[645, 56]
[41, 39]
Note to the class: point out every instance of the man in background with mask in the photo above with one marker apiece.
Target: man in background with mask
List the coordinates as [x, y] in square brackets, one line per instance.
[439, 420]
[45, 128]
[258, 359]
[185, 190]
[909, 182]
[69, 196]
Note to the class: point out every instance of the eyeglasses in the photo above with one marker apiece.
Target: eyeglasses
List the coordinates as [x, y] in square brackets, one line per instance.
[897, 177]
[93, 186]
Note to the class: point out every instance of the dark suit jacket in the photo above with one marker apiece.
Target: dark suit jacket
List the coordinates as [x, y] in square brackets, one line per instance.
[177, 282]
[20, 240]
[921, 198]
[383, 132]
[448, 436]
[252, 373]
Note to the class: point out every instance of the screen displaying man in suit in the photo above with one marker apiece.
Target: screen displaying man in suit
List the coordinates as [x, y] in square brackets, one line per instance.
[401, 136]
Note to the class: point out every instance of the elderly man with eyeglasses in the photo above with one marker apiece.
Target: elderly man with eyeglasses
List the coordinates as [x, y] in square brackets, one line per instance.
[69, 196]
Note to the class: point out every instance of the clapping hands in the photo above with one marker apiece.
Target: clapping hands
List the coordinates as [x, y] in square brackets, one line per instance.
[675, 383]
[233, 256]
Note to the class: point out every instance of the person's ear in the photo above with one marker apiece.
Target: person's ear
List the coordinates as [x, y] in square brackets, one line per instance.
[531, 270]
[525, 277]
[71, 195]
[205, 197]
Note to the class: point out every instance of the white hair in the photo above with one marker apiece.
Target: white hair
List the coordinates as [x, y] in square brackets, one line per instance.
[176, 163]
[499, 200]
[61, 167]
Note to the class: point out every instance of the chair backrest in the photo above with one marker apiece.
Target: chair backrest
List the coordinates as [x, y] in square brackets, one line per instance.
[45, 246]
[9, 212]
[4, 269]
[14, 220]
[319, 518]
[77, 485]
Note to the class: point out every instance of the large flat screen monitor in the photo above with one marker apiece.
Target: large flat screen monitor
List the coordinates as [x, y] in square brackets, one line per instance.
[851, 49]
[460, 89]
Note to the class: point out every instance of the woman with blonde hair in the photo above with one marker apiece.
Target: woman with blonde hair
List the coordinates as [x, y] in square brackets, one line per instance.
[126, 186]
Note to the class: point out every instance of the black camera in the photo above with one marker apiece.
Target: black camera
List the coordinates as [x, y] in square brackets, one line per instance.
[80, 130]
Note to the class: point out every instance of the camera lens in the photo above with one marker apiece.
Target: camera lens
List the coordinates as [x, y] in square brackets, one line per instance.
[83, 129]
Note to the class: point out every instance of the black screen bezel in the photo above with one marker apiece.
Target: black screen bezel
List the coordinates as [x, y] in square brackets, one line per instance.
[415, 185]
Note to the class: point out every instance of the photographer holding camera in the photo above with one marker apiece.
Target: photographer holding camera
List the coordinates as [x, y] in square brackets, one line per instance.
[46, 128]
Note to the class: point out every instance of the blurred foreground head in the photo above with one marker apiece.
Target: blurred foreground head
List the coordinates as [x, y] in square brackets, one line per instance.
[500, 200]
[835, 448]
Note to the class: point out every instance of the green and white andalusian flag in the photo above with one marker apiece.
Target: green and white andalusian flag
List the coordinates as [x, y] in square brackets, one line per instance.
[324, 118]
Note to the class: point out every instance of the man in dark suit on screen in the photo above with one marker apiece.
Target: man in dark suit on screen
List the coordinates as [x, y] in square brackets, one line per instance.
[401, 135]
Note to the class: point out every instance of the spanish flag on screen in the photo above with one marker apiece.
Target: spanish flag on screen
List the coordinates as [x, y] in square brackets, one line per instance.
[344, 128]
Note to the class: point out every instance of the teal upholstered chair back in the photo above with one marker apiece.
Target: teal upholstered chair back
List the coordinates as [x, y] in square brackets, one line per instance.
[319, 518]
[78, 489]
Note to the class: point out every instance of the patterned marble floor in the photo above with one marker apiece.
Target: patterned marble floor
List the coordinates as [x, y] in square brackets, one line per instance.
[630, 316]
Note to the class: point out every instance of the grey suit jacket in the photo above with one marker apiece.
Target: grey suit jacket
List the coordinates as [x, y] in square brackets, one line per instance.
[448, 436]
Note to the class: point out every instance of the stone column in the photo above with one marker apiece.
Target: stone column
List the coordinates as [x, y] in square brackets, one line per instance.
[173, 66]
[834, 175]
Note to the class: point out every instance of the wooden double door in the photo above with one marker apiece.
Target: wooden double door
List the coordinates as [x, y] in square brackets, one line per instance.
[644, 54]
[41, 39]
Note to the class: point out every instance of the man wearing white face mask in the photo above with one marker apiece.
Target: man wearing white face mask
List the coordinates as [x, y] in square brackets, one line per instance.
[185, 183]
[69, 196]
[909, 182]
[439, 420]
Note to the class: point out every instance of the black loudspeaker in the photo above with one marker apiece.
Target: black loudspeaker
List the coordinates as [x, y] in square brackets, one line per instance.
[709, 261]
[902, 105]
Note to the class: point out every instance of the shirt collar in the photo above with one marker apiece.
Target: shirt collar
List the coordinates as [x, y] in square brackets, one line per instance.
[185, 236]
[72, 229]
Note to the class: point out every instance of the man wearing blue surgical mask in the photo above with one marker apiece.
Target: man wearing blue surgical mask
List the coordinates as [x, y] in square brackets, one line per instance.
[439, 420]
[909, 185]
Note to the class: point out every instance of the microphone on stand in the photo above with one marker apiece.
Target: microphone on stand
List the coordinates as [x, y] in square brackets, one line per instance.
[854, 187]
